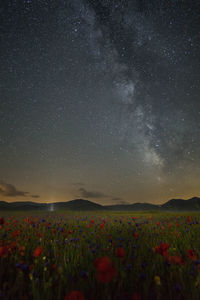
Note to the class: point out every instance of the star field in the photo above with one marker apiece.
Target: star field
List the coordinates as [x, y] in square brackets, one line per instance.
[99, 99]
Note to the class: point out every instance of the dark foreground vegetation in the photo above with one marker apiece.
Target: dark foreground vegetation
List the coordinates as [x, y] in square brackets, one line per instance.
[99, 256]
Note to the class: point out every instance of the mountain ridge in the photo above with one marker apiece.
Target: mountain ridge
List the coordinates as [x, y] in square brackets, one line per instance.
[191, 204]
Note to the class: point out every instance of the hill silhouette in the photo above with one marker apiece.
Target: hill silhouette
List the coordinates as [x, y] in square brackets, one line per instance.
[132, 207]
[78, 204]
[183, 205]
[192, 204]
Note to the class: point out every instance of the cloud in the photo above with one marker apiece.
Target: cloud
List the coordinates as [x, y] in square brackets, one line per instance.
[35, 196]
[92, 194]
[97, 194]
[9, 190]
[78, 183]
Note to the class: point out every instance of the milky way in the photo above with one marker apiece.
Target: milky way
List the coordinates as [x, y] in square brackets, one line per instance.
[100, 99]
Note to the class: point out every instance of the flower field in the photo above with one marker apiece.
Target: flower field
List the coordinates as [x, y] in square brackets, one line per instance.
[100, 256]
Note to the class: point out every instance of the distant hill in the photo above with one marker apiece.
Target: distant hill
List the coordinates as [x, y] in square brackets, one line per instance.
[78, 204]
[26, 205]
[192, 204]
[183, 205]
[132, 207]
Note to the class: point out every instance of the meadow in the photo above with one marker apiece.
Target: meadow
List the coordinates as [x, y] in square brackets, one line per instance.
[99, 255]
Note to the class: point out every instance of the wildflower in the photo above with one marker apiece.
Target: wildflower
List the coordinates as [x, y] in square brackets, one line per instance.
[162, 249]
[22, 248]
[135, 234]
[31, 276]
[102, 264]
[15, 233]
[105, 271]
[22, 266]
[157, 280]
[83, 274]
[136, 296]
[38, 251]
[192, 254]
[74, 295]
[101, 225]
[177, 287]
[106, 276]
[2, 221]
[175, 259]
[3, 251]
[120, 252]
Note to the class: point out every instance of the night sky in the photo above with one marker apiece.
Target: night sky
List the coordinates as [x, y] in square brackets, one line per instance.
[99, 100]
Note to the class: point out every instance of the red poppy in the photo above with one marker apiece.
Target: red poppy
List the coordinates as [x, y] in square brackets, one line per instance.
[175, 259]
[135, 234]
[101, 225]
[2, 221]
[106, 276]
[27, 220]
[102, 264]
[105, 271]
[188, 219]
[136, 296]
[120, 252]
[162, 249]
[92, 221]
[38, 251]
[74, 295]
[3, 251]
[12, 246]
[15, 233]
[192, 254]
